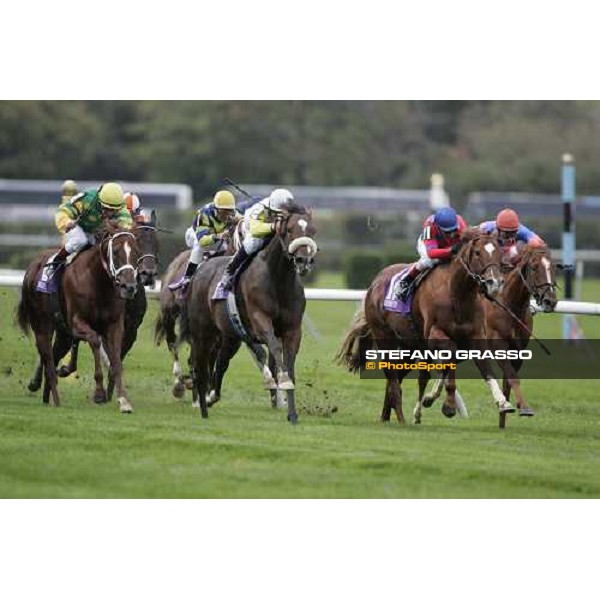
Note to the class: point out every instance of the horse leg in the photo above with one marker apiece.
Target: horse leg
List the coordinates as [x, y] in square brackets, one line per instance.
[178, 385]
[485, 368]
[512, 382]
[449, 406]
[431, 397]
[228, 348]
[201, 373]
[43, 340]
[36, 381]
[390, 397]
[276, 395]
[67, 370]
[83, 331]
[424, 377]
[291, 346]
[259, 355]
[114, 340]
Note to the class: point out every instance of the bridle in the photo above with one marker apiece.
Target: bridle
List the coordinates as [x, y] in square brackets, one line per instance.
[113, 271]
[477, 277]
[149, 255]
[538, 291]
[301, 264]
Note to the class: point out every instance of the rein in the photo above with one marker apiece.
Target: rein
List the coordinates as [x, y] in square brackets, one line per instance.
[149, 255]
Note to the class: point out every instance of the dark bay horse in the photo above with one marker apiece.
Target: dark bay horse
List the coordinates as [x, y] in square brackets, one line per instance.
[91, 301]
[145, 230]
[447, 312]
[271, 304]
[170, 313]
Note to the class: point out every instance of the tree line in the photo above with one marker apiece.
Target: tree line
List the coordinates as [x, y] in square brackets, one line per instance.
[478, 145]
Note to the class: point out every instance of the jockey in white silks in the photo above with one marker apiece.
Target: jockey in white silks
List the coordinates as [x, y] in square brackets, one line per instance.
[259, 226]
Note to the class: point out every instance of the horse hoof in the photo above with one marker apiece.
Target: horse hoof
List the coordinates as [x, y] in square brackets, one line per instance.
[196, 404]
[286, 385]
[34, 386]
[63, 371]
[506, 409]
[427, 401]
[124, 406]
[448, 411]
[212, 398]
[100, 397]
[526, 412]
[189, 383]
[178, 390]
[293, 419]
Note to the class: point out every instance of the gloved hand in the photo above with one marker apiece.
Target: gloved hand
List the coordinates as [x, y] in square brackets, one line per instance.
[455, 249]
[70, 225]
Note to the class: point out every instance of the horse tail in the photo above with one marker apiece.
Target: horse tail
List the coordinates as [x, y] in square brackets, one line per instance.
[349, 354]
[24, 311]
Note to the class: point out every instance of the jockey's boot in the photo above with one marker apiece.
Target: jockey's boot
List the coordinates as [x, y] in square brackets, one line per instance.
[406, 282]
[185, 278]
[234, 265]
[59, 259]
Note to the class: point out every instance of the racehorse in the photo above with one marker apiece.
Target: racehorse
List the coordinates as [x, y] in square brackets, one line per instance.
[91, 302]
[509, 322]
[447, 313]
[271, 303]
[145, 230]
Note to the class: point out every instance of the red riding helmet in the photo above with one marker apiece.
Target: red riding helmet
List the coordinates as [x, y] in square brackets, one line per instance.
[507, 220]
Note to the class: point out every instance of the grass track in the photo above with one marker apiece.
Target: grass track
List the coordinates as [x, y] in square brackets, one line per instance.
[247, 450]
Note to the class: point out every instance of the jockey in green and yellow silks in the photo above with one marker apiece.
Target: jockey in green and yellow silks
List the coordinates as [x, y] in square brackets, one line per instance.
[81, 216]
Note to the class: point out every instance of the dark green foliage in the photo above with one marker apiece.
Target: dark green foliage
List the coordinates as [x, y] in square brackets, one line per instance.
[361, 267]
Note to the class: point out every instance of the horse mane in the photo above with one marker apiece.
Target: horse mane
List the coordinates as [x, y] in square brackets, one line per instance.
[293, 208]
[474, 233]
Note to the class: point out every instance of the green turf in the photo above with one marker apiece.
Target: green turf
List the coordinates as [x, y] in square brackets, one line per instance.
[247, 449]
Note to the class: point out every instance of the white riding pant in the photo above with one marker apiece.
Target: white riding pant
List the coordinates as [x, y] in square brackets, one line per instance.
[192, 242]
[77, 239]
[424, 261]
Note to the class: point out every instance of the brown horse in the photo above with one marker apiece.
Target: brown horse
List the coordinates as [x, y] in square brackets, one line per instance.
[271, 303]
[447, 312]
[532, 274]
[145, 230]
[91, 300]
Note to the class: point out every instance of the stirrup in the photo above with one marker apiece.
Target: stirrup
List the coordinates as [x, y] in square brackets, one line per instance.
[182, 283]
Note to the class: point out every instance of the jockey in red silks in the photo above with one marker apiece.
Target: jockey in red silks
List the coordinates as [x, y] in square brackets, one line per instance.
[510, 232]
[439, 241]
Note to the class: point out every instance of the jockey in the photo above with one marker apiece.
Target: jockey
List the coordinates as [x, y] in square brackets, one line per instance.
[69, 189]
[439, 241]
[260, 225]
[132, 202]
[82, 216]
[209, 227]
[510, 231]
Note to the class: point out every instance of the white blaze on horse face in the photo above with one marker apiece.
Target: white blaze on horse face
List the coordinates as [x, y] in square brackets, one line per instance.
[490, 248]
[546, 264]
[127, 252]
[303, 224]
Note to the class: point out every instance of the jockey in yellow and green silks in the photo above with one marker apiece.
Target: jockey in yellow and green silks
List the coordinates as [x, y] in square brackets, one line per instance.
[81, 216]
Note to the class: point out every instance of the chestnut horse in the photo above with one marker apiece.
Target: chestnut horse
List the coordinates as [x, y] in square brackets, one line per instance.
[532, 275]
[447, 312]
[145, 230]
[91, 302]
[271, 303]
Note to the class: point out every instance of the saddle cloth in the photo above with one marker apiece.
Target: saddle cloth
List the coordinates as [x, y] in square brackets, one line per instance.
[49, 278]
[402, 306]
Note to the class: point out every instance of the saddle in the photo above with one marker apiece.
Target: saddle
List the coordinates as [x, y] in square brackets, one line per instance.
[404, 306]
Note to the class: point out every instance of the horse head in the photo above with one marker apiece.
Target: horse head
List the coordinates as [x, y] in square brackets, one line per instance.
[119, 252]
[480, 256]
[145, 234]
[538, 272]
[297, 232]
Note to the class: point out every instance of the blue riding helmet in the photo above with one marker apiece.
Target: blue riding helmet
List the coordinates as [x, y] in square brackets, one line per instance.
[446, 219]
